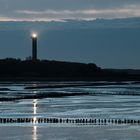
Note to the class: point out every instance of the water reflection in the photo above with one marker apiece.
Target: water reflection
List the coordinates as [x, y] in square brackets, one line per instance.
[34, 135]
[34, 111]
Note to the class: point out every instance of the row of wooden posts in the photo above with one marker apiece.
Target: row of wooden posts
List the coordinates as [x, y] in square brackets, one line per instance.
[69, 120]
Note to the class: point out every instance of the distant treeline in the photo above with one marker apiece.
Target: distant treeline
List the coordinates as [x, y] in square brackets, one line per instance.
[12, 69]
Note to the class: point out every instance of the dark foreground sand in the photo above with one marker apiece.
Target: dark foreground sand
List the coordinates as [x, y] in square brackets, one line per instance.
[70, 133]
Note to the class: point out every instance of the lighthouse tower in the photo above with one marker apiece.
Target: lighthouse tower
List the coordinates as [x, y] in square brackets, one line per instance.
[34, 46]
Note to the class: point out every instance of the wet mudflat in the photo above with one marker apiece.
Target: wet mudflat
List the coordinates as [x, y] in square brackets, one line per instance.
[110, 102]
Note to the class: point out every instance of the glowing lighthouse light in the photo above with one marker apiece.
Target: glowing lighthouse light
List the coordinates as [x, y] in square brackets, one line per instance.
[34, 35]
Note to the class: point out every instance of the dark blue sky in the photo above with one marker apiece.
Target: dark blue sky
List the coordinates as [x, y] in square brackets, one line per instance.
[108, 43]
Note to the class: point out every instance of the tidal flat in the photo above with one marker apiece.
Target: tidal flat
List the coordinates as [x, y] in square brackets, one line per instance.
[107, 101]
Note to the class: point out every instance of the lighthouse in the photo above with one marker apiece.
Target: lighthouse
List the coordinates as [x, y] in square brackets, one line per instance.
[34, 46]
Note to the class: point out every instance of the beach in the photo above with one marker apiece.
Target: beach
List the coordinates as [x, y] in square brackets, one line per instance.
[105, 112]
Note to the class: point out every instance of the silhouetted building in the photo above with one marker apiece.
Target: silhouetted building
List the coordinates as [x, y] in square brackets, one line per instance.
[34, 47]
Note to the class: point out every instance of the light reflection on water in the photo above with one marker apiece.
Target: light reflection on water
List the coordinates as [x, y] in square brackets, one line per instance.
[34, 135]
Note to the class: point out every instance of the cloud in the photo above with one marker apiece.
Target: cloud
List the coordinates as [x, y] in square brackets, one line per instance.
[83, 14]
[47, 10]
[2, 18]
